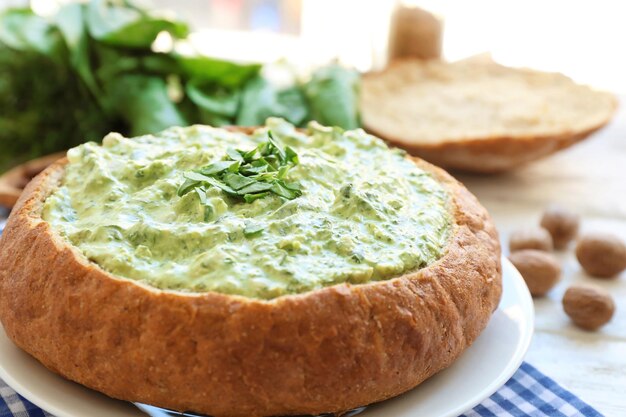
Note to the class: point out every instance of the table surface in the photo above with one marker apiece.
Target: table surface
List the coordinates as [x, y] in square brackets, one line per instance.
[589, 178]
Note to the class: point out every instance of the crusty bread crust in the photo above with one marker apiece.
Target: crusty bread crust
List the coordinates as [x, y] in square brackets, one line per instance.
[327, 350]
[451, 114]
[496, 154]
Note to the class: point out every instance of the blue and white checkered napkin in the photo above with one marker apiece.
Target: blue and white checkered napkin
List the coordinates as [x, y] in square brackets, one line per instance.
[527, 393]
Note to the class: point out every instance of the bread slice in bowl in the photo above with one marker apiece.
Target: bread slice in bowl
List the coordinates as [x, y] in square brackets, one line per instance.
[476, 115]
[228, 351]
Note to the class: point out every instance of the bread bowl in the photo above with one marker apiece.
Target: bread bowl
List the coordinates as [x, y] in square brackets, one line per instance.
[329, 347]
[476, 115]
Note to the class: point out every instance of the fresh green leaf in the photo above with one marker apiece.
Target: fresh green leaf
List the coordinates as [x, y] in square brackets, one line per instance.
[160, 63]
[143, 102]
[186, 186]
[217, 167]
[211, 119]
[332, 94]
[221, 186]
[267, 176]
[257, 102]
[119, 23]
[249, 156]
[22, 30]
[70, 21]
[201, 195]
[44, 106]
[237, 181]
[252, 170]
[294, 186]
[235, 166]
[249, 198]
[268, 161]
[203, 69]
[213, 100]
[234, 154]
[282, 171]
[251, 229]
[279, 188]
[260, 162]
[209, 211]
[277, 147]
[113, 64]
[196, 176]
[292, 105]
[255, 187]
[261, 99]
[291, 155]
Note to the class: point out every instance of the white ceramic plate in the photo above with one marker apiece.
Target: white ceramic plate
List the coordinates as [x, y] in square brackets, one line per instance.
[481, 370]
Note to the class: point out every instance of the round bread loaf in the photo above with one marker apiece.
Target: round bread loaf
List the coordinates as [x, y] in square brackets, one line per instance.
[476, 115]
[327, 350]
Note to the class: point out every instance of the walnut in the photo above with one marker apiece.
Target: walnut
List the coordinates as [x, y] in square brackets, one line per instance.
[562, 225]
[588, 306]
[540, 270]
[530, 238]
[601, 254]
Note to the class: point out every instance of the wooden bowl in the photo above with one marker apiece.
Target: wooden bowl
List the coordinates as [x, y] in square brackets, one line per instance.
[12, 182]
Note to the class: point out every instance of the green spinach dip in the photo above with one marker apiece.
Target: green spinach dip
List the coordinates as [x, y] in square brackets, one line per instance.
[364, 213]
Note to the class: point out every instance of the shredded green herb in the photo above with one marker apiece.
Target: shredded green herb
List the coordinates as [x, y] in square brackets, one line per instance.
[252, 230]
[247, 175]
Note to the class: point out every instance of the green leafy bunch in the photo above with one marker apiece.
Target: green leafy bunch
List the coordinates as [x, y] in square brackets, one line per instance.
[91, 69]
[247, 175]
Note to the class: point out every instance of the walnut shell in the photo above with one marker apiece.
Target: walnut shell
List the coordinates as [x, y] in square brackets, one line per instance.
[588, 306]
[562, 224]
[602, 255]
[531, 238]
[540, 270]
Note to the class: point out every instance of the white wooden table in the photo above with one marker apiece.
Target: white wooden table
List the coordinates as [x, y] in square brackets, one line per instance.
[589, 178]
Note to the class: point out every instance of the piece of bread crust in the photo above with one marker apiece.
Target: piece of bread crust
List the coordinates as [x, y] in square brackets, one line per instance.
[327, 350]
[476, 115]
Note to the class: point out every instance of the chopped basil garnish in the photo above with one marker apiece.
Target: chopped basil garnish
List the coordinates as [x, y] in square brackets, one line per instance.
[252, 230]
[248, 175]
[249, 198]
[217, 167]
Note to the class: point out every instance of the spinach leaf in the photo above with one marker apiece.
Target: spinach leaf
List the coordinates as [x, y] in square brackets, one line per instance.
[22, 30]
[43, 111]
[292, 105]
[119, 23]
[70, 21]
[143, 102]
[261, 99]
[251, 229]
[113, 63]
[332, 94]
[214, 102]
[224, 73]
[160, 63]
